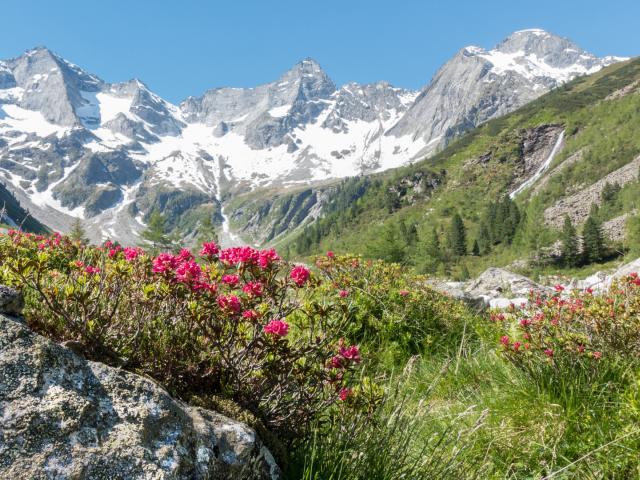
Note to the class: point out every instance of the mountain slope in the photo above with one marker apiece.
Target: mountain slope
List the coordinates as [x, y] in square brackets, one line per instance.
[72, 145]
[563, 148]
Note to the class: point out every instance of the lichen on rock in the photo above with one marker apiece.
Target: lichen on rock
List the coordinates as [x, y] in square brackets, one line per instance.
[66, 417]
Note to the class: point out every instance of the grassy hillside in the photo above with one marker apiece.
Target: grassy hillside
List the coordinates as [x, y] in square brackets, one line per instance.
[472, 175]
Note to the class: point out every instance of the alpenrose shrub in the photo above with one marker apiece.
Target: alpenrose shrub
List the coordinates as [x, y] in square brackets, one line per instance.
[238, 323]
[570, 339]
[389, 305]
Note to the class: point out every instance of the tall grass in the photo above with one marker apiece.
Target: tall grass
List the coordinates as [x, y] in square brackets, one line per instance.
[472, 415]
[410, 436]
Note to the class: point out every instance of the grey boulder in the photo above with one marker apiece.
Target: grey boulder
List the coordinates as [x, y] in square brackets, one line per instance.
[65, 417]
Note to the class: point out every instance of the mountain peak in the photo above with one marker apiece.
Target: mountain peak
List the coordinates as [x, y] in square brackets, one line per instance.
[538, 42]
[308, 67]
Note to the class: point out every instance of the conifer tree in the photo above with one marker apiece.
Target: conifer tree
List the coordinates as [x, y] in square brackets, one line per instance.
[206, 231]
[457, 236]
[475, 250]
[569, 249]
[593, 240]
[409, 234]
[156, 232]
[77, 232]
[428, 255]
[388, 246]
[484, 239]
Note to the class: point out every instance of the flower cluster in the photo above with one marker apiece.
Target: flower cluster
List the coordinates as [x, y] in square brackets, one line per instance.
[300, 275]
[234, 322]
[576, 328]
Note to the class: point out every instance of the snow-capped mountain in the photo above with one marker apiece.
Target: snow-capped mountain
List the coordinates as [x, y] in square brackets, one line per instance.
[477, 84]
[72, 145]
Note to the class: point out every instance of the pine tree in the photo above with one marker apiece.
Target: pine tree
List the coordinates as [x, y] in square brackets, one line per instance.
[206, 231]
[409, 234]
[388, 246]
[77, 232]
[428, 255]
[610, 192]
[457, 236]
[569, 249]
[484, 239]
[593, 240]
[475, 250]
[156, 232]
[433, 245]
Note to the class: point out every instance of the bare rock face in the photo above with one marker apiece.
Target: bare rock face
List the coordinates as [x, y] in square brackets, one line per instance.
[496, 287]
[578, 205]
[11, 301]
[66, 417]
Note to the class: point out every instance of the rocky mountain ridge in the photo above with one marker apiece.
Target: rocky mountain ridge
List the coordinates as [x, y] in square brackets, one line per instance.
[74, 146]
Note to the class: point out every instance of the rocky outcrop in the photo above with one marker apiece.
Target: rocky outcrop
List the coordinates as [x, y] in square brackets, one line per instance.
[615, 229]
[11, 301]
[578, 205]
[538, 148]
[624, 91]
[66, 417]
[494, 288]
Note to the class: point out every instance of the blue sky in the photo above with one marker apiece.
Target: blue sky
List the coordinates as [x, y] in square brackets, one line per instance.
[183, 47]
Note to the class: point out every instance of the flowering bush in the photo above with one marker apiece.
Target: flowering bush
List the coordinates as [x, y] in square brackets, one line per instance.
[385, 304]
[567, 340]
[238, 323]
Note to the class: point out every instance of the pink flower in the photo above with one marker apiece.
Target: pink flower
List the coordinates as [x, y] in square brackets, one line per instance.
[188, 272]
[558, 288]
[209, 249]
[351, 353]
[549, 352]
[345, 393]
[253, 289]
[185, 255]
[580, 348]
[267, 257]
[112, 252]
[278, 328]
[525, 322]
[79, 263]
[164, 263]
[299, 275]
[92, 270]
[597, 355]
[504, 340]
[204, 286]
[250, 314]
[330, 254]
[343, 293]
[229, 303]
[337, 362]
[239, 255]
[130, 254]
[231, 280]
[516, 346]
